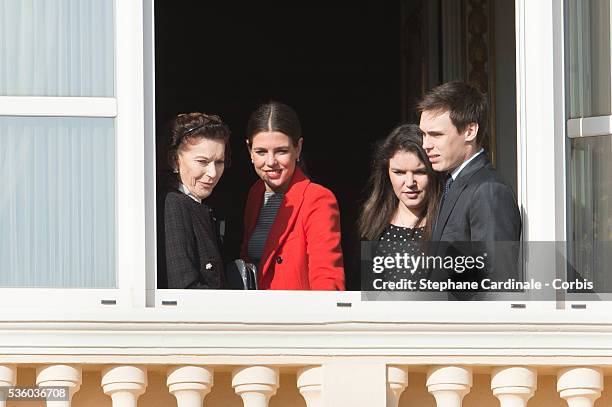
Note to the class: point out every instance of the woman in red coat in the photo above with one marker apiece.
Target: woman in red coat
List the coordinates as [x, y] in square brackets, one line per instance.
[292, 225]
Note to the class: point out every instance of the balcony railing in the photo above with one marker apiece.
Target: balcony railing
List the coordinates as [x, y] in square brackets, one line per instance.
[425, 354]
[190, 385]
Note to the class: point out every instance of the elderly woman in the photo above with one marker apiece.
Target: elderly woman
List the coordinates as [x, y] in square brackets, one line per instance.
[189, 255]
[292, 225]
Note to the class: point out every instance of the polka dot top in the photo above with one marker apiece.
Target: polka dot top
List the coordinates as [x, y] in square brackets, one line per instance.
[398, 239]
[396, 236]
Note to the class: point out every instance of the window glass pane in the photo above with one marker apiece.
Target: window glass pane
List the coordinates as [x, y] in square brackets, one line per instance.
[56, 48]
[591, 208]
[589, 58]
[57, 207]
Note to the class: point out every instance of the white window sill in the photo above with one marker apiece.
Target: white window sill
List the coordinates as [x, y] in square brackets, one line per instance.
[286, 308]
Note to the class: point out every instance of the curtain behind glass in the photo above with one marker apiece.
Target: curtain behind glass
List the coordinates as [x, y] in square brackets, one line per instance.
[589, 57]
[57, 206]
[591, 209]
[56, 48]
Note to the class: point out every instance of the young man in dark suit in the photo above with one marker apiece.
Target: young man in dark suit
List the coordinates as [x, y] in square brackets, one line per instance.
[477, 207]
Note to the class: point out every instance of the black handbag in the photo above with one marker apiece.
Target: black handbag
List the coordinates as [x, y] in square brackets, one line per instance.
[241, 275]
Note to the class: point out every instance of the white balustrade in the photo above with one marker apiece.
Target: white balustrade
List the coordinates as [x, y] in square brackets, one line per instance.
[513, 386]
[124, 384]
[310, 384]
[397, 381]
[580, 386]
[449, 384]
[8, 378]
[190, 384]
[59, 376]
[255, 384]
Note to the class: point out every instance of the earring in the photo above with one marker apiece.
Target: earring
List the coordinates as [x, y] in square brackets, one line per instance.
[175, 171]
[298, 159]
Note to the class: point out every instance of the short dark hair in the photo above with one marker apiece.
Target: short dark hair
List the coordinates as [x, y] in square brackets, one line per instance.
[464, 102]
[274, 116]
[189, 126]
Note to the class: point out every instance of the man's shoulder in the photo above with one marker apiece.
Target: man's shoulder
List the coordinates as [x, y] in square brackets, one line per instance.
[489, 189]
[487, 175]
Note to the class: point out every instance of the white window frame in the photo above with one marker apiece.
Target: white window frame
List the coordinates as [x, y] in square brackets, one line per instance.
[544, 131]
[127, 110]
[540, 122]
[592, 126]
[541, 127]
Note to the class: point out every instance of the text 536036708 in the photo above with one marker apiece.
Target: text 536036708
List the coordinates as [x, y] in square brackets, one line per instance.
[49, 393]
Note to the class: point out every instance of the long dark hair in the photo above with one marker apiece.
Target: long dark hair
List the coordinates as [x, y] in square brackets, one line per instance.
[381, 204]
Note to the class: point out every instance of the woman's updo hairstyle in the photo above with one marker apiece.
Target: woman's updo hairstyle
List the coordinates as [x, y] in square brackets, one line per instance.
[274, 116]
[187, 127]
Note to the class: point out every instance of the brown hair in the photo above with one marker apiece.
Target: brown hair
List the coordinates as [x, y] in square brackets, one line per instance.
[189, 126]
[464, 103]
[274, 116]
[382, 202]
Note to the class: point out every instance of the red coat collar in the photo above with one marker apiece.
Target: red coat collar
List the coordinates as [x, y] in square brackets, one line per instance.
[285, 217]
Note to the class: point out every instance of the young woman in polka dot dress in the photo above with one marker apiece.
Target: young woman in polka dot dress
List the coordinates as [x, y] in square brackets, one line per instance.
[403, 197]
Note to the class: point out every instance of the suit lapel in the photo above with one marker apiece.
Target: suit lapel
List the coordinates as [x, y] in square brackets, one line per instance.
[285, 218]
[447, 208]
[455, 192]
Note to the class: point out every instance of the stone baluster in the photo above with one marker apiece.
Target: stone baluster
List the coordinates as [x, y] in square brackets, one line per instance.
[580, 386]
[255, 384]
[8, 378]
[310, 384]
[190, 384]
[124, 384]
[449, 384]
[65, 376]
[514, 386]
[397, 381]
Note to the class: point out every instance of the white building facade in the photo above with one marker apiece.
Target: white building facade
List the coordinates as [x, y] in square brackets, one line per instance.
[77, 139]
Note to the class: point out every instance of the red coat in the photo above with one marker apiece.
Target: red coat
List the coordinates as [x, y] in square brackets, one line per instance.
[303, 250]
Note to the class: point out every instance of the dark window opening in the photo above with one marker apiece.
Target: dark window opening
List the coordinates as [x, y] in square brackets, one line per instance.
[352, 71]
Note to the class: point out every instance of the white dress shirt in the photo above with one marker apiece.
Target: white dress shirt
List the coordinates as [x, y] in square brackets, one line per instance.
[457, 170]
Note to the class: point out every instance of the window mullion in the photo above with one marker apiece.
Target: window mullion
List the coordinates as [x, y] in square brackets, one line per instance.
[589, 126]
[58, 106]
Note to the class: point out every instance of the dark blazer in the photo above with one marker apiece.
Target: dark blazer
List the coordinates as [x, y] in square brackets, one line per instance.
[303, 250]
[479, 207]
[188, 246]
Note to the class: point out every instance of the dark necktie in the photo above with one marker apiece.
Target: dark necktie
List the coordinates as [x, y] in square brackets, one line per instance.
[447, 187]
